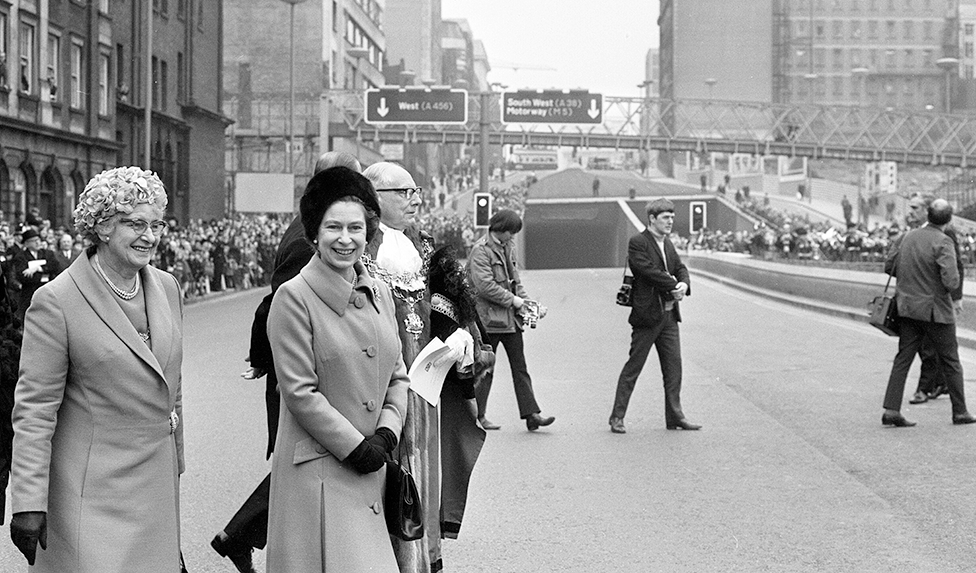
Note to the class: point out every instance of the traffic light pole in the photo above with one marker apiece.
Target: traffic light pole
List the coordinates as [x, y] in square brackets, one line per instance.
[484, 124]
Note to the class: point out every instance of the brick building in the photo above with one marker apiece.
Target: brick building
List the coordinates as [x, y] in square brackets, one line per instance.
[72, 97]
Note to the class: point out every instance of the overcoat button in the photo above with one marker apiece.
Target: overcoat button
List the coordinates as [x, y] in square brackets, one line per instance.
[371, 351]
[320, 449]
[376, 508]
[371, 405]
[360, 301]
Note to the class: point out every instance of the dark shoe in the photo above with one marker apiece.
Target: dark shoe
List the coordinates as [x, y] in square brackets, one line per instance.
[966, 418]
[896, 420]
[239, 555]
[535, 421]
[919, 398]
[684, 425]
[617, 426]
[938, 391]
[488, 425]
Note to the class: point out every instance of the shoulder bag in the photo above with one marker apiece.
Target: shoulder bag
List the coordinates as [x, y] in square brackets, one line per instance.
[884, 312]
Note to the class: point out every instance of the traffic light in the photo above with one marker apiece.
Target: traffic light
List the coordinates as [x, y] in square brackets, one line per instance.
[482, 210]
[698, 216]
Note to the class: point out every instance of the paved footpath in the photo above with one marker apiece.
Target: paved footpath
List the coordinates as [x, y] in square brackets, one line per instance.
[792, 471]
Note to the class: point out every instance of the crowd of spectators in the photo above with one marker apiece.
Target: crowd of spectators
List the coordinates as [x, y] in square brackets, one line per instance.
[205, 256]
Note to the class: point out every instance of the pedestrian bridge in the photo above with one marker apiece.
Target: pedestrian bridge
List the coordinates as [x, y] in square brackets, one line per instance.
[701, 126]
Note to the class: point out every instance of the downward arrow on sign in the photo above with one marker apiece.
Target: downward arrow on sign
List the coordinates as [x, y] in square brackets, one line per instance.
[382, 110]
[593, 111]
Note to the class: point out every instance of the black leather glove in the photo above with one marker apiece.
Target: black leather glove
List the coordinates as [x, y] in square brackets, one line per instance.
[27, 529]
[366, 458]
[384, 438]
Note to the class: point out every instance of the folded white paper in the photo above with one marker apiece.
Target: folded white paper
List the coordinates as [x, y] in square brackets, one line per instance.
[36, 264]
[426, 379]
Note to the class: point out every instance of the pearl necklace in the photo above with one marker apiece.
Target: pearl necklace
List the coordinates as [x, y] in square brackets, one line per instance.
[123, 294]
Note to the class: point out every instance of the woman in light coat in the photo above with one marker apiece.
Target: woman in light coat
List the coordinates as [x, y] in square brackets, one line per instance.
[98, 443]
[344, 387]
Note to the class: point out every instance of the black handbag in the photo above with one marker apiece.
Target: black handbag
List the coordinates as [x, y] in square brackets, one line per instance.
[624, 297]
[884, 312]
[404, 512]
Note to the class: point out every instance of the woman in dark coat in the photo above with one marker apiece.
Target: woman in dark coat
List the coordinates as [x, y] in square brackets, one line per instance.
[452, 308]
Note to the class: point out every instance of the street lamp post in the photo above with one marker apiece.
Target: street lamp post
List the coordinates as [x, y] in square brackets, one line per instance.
[948, 65]
[291, 84]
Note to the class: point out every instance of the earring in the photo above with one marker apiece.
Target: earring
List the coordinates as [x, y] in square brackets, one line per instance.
[315, 241]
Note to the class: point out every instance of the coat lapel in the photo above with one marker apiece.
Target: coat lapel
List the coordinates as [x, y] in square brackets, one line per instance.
[334, 290]
[99, 297]
[160, 317]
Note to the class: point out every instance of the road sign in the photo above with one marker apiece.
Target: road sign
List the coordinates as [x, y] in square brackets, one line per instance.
[416, 105]
[552, 107]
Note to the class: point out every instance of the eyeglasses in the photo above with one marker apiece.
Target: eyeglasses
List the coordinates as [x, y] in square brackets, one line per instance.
[404, 192]
[140, 226]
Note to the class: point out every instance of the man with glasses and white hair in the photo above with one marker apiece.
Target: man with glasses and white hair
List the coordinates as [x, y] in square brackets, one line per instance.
[398, 255]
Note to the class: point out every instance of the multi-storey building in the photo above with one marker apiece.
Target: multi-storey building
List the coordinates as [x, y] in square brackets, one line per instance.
[56, 106]
[864, 52]
[72, 101]
[851, 52]
[339, 45]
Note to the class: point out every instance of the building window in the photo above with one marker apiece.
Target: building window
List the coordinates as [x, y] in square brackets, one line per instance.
[4, 27]
[164, 7]
[181, 9]
[820, 30]
[335, 16]
[103, 6]
[838, 26]
[180, 78]
[909, 28]
[77, 67]
[163, 84]
[53, 65]
[200, 15]
[890, 29]
[18, 195]
[969, 72]
[968, 49]
[838, 87]
[104, 65]
[855, 5]
[28, 63]
[155, 82]
[873, 29]
[819, 58]
[927, 30]
[909, 59]
[838, 59]
[856, 29]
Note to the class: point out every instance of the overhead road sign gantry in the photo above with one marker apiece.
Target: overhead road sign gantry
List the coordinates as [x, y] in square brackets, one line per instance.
[552, 106]
[416, 105]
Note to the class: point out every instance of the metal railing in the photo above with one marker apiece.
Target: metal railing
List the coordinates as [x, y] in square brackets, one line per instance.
[816, 131]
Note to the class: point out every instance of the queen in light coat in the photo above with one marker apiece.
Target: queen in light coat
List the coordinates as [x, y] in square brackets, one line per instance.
[342, 378]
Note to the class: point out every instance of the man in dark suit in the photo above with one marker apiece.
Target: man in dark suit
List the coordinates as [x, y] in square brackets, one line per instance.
[660, 281]
[925, 265]
[33, 268]
[931, 380]
[64, 255]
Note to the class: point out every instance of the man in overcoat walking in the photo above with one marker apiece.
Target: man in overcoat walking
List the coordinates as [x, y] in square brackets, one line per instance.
[660, 281]
[925, 266]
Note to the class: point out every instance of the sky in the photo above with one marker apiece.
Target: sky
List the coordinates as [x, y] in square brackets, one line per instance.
[599, 45]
